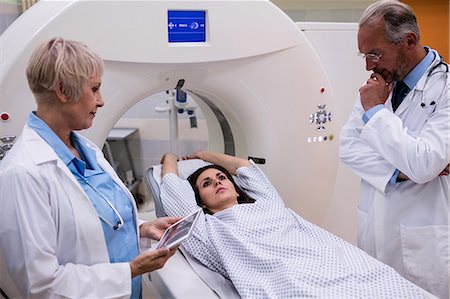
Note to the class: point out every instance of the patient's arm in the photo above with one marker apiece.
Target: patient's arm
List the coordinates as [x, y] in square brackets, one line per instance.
[228, 162]
[169, 164]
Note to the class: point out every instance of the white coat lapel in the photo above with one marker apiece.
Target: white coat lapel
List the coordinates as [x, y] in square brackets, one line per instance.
[41, 153]
[86, 216]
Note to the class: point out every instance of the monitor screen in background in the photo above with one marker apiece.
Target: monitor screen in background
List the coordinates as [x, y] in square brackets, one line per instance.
[186, 26]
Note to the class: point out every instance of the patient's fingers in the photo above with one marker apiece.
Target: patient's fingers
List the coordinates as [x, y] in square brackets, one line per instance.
[194, 155]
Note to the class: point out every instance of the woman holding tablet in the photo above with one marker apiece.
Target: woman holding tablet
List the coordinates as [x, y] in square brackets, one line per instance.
[69, 227]
[264, 248]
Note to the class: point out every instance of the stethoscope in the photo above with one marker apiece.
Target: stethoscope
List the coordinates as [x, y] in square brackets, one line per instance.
[120, 221]
[432, 72]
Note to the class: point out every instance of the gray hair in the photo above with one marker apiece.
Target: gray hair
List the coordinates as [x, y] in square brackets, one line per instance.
[399, 19]
[65, 64]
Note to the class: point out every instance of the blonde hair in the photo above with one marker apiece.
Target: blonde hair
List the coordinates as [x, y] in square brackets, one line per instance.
[64, 64]
[399, 19]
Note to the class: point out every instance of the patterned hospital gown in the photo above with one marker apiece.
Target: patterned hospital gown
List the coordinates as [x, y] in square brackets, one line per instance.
[268, 251]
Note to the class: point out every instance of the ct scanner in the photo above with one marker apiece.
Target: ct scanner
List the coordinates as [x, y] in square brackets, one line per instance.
[269, 89]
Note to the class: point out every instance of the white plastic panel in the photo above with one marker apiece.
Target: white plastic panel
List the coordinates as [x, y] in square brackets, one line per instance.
[264, 76]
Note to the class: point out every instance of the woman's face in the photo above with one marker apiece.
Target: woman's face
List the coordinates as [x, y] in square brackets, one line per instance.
[80, 114]
[216, 191]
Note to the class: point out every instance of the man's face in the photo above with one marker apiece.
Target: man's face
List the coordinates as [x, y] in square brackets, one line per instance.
[388, 59]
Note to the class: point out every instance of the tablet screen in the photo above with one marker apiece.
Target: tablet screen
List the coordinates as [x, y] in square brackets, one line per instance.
[179, 231]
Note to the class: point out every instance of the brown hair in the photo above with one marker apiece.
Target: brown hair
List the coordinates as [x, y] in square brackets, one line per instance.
[242, 197]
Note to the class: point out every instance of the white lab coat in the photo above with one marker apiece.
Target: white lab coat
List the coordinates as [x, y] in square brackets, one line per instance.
[405, 225]
[52, 243]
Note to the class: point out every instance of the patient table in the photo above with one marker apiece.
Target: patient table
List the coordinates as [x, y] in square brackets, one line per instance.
[183, 276]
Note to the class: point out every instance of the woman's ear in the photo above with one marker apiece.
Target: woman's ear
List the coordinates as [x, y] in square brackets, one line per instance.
[60, 93]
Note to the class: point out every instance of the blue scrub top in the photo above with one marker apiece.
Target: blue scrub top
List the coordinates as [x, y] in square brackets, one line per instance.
[122, 244]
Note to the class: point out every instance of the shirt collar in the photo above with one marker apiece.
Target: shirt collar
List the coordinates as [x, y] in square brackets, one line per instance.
[50, 137]
[61, 149]
[414, 76]
[88, 154]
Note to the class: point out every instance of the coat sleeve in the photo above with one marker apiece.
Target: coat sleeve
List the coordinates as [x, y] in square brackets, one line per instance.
[420, 157]
[29, 246]
[360, 156]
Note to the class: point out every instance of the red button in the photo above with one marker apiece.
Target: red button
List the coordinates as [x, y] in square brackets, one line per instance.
[4, 116]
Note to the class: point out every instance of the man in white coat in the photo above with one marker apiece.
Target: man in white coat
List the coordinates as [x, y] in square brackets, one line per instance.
[397, 140]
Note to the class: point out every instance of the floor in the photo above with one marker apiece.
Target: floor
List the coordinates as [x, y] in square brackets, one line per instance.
[147, 211]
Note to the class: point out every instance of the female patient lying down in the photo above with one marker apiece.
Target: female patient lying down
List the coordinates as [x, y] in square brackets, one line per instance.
[264, 248]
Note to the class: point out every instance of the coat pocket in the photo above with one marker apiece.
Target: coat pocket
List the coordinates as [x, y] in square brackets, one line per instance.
[426, 255]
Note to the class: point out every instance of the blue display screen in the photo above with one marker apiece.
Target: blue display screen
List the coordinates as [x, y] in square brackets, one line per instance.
[186, 26]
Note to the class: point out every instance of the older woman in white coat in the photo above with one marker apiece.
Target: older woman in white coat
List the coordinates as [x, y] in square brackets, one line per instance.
[68, 225]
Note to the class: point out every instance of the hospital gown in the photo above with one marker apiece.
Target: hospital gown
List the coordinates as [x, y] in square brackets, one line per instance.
[268, 251]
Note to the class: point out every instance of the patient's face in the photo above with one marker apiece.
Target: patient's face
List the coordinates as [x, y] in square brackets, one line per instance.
[216, 190]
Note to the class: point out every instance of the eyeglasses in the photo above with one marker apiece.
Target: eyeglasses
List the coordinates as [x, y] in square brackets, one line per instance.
[373, 57]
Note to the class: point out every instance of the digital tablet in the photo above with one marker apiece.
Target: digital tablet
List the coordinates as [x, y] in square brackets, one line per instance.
[179, 231]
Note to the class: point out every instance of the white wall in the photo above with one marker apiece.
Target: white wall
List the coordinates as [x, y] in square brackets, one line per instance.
[9, 11]
[323, 10]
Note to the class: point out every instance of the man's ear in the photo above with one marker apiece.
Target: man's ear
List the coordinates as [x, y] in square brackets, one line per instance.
[411, 40]
[60, 93]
